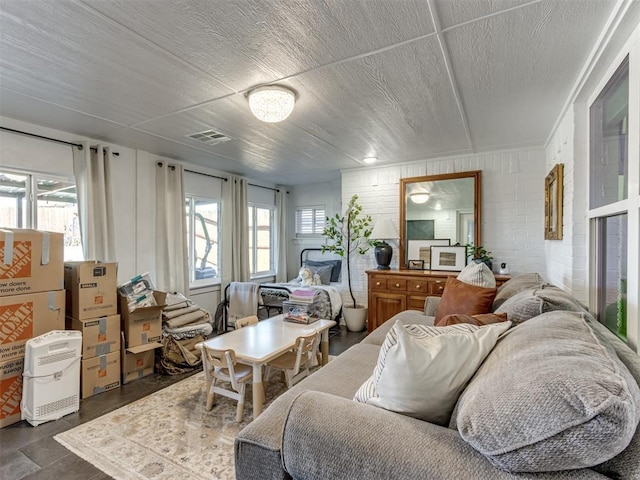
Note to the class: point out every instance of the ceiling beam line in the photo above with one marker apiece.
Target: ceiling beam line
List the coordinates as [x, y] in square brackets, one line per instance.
[452, 80]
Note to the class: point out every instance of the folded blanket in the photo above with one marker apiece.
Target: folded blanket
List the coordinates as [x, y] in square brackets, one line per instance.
[181, 311]
[188, 331]
[177, 306]
[192, 317]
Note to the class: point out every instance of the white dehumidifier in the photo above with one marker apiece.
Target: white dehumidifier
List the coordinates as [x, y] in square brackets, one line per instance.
[51, 386]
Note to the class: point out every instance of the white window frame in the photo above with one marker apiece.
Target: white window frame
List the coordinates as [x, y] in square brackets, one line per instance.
[191, 220]
[629, 206]
[272, 234]
[318, 220]
[31, 198]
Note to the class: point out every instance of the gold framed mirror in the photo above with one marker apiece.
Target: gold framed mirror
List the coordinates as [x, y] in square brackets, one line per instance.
[438, 210]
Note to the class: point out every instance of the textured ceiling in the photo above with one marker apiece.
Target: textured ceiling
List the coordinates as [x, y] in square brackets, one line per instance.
[398, 79]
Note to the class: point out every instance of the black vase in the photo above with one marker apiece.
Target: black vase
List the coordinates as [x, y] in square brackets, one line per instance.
[383, 253]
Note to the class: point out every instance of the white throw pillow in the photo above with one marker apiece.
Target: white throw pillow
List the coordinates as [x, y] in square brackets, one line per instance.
[423, 376]
[478, 274]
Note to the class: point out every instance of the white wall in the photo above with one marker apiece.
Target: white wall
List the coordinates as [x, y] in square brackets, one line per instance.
[324, 193]
[566, 259]
[512, 205]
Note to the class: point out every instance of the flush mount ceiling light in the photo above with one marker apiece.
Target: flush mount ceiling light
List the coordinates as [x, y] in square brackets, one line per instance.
[369, 160]
[271, 103]
[419, 197]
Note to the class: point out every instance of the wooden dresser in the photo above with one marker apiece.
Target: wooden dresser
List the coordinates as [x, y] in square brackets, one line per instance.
[392, 291]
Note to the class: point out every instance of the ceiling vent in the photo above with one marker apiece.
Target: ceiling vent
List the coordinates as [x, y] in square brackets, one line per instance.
[210, 137]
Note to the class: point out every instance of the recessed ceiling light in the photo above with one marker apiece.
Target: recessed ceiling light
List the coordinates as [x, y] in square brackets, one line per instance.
[369, 160]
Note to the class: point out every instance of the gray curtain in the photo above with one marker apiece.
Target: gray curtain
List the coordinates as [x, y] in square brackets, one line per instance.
[281, 235]
[235, 214]
[91, 169]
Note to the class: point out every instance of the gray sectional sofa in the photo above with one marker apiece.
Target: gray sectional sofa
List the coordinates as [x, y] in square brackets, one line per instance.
[518, 415]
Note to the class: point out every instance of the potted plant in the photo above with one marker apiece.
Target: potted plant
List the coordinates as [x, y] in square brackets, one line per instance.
[479, 254]
[349, 235]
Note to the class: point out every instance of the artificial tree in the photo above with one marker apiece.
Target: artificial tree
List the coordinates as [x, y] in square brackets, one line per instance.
[349, 235]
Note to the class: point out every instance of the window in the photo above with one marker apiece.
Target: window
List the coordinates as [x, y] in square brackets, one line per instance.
[310, 220]
[608, 194]
[29, 200]
[261, 241]
[203, 238]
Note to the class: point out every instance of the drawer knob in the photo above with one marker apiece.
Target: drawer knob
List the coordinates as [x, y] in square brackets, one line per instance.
[440, 287]
[417, 287]
[377, 284]
[397, 285]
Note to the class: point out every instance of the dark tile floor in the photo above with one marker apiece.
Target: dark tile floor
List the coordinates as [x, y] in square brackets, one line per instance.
[28, 452]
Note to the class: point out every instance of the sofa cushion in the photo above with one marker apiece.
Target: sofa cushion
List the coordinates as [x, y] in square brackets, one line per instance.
[549, 397]
[408, 317]
[477, 274]
[480, 319]
[534, 301]
[422, 372]
[521, 282]
[460, 297]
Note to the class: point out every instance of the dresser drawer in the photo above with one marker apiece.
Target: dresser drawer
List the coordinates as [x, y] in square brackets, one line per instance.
[397, 284]
[418, 285]
[378, 283]
[436, 285]
[415, 302]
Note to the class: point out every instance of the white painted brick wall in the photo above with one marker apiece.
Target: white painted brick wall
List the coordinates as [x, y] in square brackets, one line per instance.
[512, 205]
[566, 259]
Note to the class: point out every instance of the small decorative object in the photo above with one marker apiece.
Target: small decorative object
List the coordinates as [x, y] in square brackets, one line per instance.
[553, 203]
[421, 249]
[504, 269]
[479, 254]
[306, 277]
[383, 230]
[316, 279]
[416, 264]
[452, 259]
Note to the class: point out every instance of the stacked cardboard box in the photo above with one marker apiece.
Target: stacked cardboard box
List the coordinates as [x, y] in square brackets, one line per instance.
[31, 303]
[141, 327]
[92, 308]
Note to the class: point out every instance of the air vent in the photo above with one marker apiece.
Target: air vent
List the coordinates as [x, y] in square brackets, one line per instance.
[210, 137]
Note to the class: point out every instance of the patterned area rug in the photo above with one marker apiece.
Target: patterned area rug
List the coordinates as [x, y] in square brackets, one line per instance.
[166, 435]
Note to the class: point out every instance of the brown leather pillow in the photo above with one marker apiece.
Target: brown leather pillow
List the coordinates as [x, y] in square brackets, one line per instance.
[479, 320]
[460, 297]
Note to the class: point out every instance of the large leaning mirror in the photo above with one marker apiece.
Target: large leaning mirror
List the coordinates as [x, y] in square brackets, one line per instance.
[438, 210]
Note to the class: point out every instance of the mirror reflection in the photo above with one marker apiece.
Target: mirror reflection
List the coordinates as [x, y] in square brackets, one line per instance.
[438, 210]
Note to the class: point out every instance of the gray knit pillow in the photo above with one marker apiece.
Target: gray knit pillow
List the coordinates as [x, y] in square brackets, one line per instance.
[477, 274]
[549, 397]
[532, 302]
[517, 284]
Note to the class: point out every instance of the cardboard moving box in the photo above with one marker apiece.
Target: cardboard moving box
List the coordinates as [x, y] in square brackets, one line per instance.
[99, 335]
[91, 289]
[31, 261]
[10, 391]
[26, 316]
[100, 374]
[139, 361]
[142, 325]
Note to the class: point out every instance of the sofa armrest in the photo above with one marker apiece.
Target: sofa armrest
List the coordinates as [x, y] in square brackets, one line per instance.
[431, 305]
[326, 436]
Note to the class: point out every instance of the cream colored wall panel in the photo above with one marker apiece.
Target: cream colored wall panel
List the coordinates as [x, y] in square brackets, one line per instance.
[512, 87]
[69, 55]
[249, 42]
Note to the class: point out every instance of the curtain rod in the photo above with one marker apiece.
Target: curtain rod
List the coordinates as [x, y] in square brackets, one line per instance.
[79, 145]
[268, 188]
[206, 175]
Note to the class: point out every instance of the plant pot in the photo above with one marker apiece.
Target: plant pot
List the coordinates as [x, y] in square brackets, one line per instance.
[355, 318]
